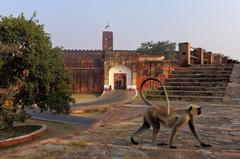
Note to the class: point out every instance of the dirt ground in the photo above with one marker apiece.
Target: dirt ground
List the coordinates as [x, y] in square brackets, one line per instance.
[109, 137]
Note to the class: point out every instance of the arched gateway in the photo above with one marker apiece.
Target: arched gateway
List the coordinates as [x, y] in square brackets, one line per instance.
[120, 77]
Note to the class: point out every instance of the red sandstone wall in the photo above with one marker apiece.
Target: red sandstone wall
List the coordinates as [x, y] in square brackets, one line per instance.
[86, 68]
[148, 69]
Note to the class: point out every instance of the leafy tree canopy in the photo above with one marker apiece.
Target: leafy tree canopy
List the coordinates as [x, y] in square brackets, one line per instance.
[31, 71]
[166, 47]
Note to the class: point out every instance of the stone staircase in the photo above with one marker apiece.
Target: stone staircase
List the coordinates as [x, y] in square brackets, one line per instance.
[197, 83]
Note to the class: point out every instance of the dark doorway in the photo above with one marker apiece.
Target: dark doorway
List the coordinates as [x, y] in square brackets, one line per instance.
[120, 80]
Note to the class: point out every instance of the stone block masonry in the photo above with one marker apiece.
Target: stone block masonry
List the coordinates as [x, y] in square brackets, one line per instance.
[233, 89]
[86, 70]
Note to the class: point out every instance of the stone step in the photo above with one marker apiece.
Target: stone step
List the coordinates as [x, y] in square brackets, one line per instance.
[205, 84]
[188, 93]
[204, 68]
[212, 65]
[196, 83]
[210, 80]
[195, 88]
[189, 98]
[207, 75]
[202, 72]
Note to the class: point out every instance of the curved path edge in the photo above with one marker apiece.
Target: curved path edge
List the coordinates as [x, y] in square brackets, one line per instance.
[24, 138]
[109, 98]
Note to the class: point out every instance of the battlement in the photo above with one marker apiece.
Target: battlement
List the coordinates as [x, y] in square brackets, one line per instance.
[189, 55]
[82, 51]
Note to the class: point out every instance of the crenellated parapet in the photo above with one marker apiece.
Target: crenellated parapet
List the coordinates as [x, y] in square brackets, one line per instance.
[189, 55]
[82, 51]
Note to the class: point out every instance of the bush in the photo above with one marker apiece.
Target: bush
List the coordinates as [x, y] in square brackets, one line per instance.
[8, 117]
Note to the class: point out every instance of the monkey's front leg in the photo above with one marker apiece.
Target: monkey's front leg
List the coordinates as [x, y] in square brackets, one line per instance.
[205, 145]
[195, 133]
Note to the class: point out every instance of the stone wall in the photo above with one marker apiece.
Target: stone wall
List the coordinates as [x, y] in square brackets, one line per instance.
[233, 89]
[146, 69]
[90, 68]
[86, 68]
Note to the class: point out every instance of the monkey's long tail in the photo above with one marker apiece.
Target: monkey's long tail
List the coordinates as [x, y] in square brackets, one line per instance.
[146, 101]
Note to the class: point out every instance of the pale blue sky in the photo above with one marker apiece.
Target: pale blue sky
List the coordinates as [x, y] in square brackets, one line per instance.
[77, 24]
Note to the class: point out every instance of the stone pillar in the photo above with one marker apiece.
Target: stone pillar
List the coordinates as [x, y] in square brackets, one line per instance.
[209, 57]
[184, 54]
[198, 52]
[134, 78]
[225, 60]
[221, 58]
[218, 59]
[107, 41]
[214, 58]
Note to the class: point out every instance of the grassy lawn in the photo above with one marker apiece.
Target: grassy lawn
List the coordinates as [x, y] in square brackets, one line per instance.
[18, 131]
[85, 97]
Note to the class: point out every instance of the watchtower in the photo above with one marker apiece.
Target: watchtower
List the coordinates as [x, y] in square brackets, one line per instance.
[107, 41]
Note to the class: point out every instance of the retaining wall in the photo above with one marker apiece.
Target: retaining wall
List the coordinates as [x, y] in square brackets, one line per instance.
[233, 89]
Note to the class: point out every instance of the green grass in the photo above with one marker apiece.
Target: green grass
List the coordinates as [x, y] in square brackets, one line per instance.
[18, 131]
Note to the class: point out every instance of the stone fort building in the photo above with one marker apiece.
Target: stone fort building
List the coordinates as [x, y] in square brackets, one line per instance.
[96, 70]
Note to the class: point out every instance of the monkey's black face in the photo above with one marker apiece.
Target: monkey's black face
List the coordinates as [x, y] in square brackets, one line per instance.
[199, 111]
[195, 110]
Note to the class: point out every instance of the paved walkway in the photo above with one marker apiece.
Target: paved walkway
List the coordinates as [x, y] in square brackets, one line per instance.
[62, 118]
[110, 98]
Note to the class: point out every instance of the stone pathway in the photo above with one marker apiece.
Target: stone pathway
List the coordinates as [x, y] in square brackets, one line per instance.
[48, 116]
[109, 98]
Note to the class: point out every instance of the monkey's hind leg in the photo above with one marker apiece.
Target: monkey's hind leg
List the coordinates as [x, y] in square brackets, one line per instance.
[156, 127]
[141, 130]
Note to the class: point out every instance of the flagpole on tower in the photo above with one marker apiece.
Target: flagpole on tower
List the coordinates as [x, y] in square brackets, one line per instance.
[107, 26]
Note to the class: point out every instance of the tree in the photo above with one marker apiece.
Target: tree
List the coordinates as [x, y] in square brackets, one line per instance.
[166, 47]
[32, 72]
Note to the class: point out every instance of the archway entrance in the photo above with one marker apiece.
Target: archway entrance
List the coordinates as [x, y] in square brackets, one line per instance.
[120, 77]
[120, 80]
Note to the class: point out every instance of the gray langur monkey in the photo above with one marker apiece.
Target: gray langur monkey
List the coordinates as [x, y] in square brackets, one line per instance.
[157, 115]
